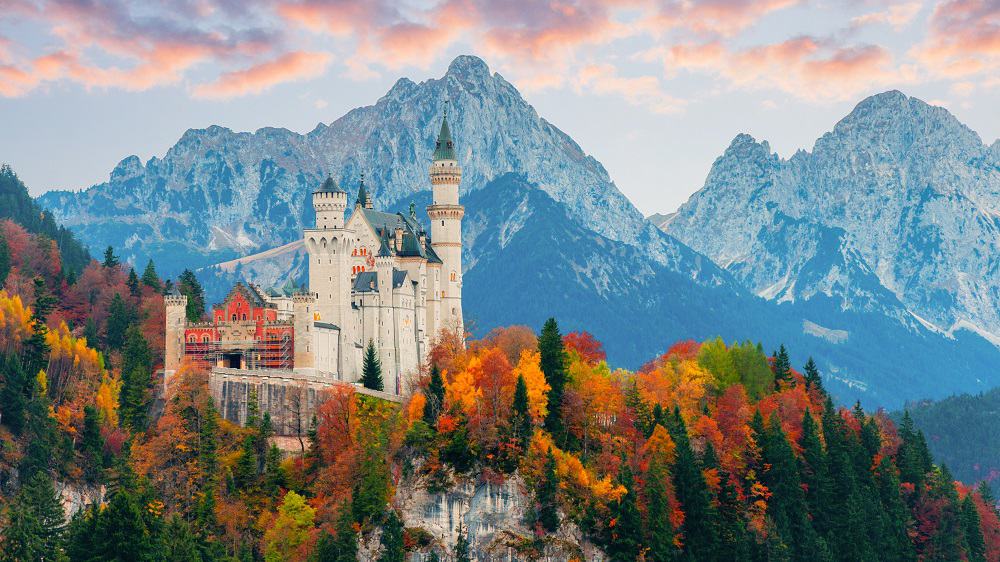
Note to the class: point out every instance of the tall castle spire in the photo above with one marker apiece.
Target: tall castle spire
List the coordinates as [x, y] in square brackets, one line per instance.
[445, 148]
[446, 215]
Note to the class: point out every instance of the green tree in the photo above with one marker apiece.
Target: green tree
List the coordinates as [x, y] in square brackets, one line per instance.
[626, 535]
[462, 546]
[976, 546]
[291, 528]
[189, 286]
[659, 533]
[369, 497]
[392, 539]
[150, 278]
[4, 259]
[91, 443]
[714, 356]
[342, 547]
[782, 366]
[547, 514]
[120, 317]
[137, 372]
[699, 529]
[813, 380]
[371, 368]
[435, 397]
[133, 283]
[36, 523]
[553, 364]
[110, 259]
[521, 420]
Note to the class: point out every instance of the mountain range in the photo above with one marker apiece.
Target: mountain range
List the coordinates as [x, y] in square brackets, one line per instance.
[853, 253]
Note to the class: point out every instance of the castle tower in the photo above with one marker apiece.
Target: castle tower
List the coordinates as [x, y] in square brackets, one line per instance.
[387, 349]
[303, 306]
[328, 245]
[176, 313]
[446, 228]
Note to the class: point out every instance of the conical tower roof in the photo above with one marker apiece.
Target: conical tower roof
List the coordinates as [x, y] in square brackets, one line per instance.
[444, 149]
[384, 251]
[330, 186]
[362, 199]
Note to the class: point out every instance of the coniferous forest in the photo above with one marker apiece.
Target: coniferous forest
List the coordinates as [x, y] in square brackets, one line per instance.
[712, 451]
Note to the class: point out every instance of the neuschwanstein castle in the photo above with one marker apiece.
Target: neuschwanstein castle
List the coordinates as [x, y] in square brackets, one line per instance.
[373, 276]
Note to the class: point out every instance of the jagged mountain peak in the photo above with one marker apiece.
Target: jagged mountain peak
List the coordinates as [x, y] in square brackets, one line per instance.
[469, 66]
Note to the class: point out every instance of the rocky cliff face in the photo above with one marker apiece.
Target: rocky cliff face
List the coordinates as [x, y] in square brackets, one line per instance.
[218, 194]
[896, 210]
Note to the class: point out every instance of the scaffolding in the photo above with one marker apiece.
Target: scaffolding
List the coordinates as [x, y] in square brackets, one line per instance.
[271, 353]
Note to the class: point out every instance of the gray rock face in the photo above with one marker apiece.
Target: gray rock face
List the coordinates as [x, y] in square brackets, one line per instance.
[896, 209]
[218, 194]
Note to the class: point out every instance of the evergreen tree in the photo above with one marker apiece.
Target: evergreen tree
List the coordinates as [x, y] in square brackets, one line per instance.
[547, 515]
[553, 365]
[392, 539]
[462, 546]
[787, 508]
[274, 475]
[521, 420]
[90, 333]
[782, 366]
[975, 545]
[813, 380]
[40, 430]
[91, 443]
[150, 278]
[815, 473]
[189, 286]
[659, 534]
[644, 418]
[435, 397]
[369, 497]
[699, 529]
[4, 259]
[133, 283]
[120, 317]
[110, 259]
[15, 392]
[137, 366]
[36, 523]
[371, 368]
[626, 535]
[894, 540]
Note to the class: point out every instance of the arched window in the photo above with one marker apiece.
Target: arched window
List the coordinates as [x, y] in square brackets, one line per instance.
[204, 339]
[454, 276]
[192, 339]
[234, 318]
[244, 316]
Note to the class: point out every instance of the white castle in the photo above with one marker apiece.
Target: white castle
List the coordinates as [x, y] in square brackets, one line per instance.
[374, 277]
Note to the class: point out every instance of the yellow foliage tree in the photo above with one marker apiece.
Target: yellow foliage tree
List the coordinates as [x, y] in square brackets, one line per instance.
[538, 398]
[676, 383]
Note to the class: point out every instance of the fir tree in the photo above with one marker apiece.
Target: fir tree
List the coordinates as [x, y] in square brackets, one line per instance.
[274, 475]
[110, 259]
[975, 545]
[462, 546]
[136, 380]
[369, 497]
[626, 535]
[35, 523]
[813, 380]
[120, 317]
[699, 529]
[787, 508]
[435, 397]
[189, 286]
[371, 368]
[40, 429]
[150, 278]
[659, 534]
[4, 259]
[133, 283]
[392, 539]
[521, 421]
[553, 365]
[782, 366]
[91, 443]
[547, 496]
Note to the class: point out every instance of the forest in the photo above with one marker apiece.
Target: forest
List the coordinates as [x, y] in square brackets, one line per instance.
[711, 451]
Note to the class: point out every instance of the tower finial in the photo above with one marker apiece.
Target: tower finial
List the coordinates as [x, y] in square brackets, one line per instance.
[444, 148]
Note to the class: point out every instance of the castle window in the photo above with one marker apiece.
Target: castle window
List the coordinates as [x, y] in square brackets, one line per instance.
[204, 339]
[234, 318]
[244, 317]
[192, 339]
[442, 223]
[454, 276]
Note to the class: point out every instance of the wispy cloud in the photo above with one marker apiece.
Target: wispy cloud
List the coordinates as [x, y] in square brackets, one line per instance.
[292, 66]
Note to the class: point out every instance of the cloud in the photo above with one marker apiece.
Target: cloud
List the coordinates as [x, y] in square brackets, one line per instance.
[963, 38]
[297, 65]
[713, 17]
[642, 91]
[896, 16]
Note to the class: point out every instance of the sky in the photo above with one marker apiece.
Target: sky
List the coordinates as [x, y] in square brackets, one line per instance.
[654, 89]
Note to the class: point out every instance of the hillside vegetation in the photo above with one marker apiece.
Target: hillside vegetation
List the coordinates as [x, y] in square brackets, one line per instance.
[712, 451]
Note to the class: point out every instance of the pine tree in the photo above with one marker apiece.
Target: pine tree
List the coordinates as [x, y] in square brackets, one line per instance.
[553, 366]
[91, 443]
[435, 397]
[813, 380]
[462, 546]
[371, 368]
[699, 529]
[36, 523]
[521, 420]
[787, 508]
[782, 366]
[547, 496]
[120, 317]
[150, 278]
[392, 539]
[189, 286]
[626, 535]
[274, 475]
[369, 497]
[40, 429]
[137, 373]
[659, 534]
[133, 283]
[110, 259]
[4, 260]
[975, 545]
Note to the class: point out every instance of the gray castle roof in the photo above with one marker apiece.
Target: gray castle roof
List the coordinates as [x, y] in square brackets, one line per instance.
[367, 281]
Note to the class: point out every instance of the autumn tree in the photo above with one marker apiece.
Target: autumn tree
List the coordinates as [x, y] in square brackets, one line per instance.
[290, 529]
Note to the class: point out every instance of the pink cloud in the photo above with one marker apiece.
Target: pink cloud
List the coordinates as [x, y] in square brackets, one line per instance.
[964, 38]
[298, 65]
[641, 91]
[714, 17]
[897, 16]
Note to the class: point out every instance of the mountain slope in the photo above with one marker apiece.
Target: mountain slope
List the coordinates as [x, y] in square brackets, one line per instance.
[914, 194]
[218, 194]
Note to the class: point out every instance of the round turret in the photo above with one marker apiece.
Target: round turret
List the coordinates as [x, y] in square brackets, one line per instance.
[330, 203]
